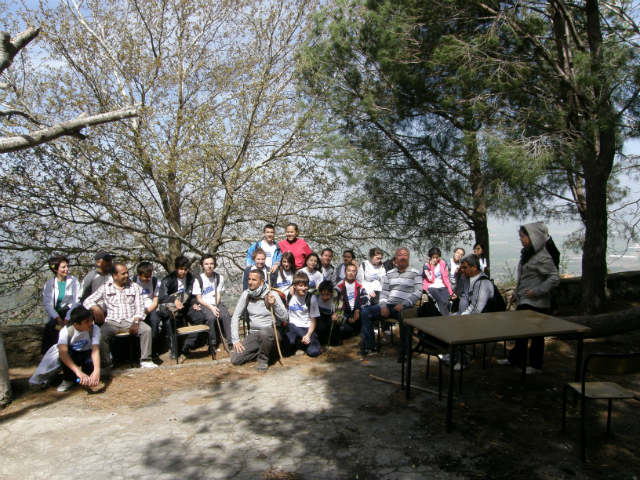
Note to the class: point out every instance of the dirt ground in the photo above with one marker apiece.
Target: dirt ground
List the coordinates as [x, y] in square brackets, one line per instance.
[503, 429]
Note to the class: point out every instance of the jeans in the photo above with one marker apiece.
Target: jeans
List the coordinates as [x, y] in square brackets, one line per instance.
[294, 332]
[369, 316]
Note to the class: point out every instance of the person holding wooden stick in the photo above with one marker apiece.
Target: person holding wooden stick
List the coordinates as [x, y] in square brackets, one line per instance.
[255, 304]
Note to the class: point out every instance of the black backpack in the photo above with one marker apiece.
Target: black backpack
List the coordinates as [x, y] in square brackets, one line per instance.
[307, 300]
[497, 303]
[154, 281]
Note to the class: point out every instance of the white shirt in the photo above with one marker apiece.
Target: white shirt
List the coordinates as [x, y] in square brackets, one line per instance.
[209, 288]
[437, 282]
[315, 278]
[182, 283]
[351, 293]
[326, 308]
[299, 314]
[148, 292]
[80, 341]
[269, 250]
[285, 283]
[371, 276]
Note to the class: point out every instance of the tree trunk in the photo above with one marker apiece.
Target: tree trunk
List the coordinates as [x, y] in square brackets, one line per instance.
[608, 324]
[479, 218]
[5, 385]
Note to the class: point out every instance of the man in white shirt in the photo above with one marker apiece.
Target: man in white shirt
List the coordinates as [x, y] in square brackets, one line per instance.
[150, 286]
[270, 247]
[208, 289]
[125, 310]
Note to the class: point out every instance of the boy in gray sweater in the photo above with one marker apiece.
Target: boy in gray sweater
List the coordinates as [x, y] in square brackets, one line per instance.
[255, 303]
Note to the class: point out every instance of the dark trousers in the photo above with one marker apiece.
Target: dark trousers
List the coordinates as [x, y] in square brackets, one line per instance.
[49, 336]
[349, 329]
[153, 320]
[294, 333]
[225, 325]
[191, 317]
[369, 316]
[256, 345]
[82, 360]
[441, 296]
[323, 329]
[536, 351]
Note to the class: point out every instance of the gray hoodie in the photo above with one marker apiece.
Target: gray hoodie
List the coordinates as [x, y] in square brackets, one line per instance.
[539, 273]
[259, 314]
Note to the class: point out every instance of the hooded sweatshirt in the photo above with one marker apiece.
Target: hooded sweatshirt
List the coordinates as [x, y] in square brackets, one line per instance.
[538, 273]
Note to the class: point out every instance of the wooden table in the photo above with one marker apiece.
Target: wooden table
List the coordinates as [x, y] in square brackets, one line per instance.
[456, 330]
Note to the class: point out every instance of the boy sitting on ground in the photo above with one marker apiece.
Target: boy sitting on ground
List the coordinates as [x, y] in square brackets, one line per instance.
[79, 349]
[303, 315]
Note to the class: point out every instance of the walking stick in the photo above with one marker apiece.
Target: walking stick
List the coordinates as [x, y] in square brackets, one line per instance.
[224, 340]
[275, 330]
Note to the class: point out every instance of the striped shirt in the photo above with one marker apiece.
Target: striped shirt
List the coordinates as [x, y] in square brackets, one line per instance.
[404, 288]
[122, 305]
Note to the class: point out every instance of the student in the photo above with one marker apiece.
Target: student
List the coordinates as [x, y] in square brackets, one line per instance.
[537, 275]
[436, 279]
[269, 247]
[370, 275]
[79, 350]
[355, 299]
[125, 310]
[295, 245]
[390, 264]
[60, 295]
[303, 315]
[478, 250]
[150, 286]
[177, 299]
[478, 292]
[259, 259]
[315, 277]
[401, 288]
[286, 271]
[325, 264]
[328, 315]
[255, 304]
[347, 259]
[454, 266]
[95, 279]
[208, 289]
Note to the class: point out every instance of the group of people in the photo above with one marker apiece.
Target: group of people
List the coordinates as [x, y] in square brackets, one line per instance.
[292, 297]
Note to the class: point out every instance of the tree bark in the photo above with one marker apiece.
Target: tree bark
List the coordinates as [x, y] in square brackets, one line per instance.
[608, 324]
[5, 385]
[9, 49]
[479, 217]
[70, 127]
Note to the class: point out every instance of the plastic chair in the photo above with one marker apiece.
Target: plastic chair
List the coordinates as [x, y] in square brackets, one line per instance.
[604, 364]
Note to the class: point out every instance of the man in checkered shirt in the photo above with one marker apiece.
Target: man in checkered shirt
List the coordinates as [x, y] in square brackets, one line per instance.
[125, 310]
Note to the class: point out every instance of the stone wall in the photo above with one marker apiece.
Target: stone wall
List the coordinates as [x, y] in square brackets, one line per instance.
[22, 343]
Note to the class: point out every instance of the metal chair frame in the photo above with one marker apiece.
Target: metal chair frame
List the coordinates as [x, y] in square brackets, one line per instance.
[605, 364]
[186, 330]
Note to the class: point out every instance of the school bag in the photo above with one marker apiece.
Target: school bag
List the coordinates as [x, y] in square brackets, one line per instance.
[154, 281]
[497, 303]
[307, 300]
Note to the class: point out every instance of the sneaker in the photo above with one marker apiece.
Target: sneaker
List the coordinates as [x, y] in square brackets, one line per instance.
[504, 361]
[444, 358]
[66, 385]
[402, 359]
[457, 367]
[363, 352]
[532, 371]
[182, 359]
[262, 366]
[148, 364]
[172, 356]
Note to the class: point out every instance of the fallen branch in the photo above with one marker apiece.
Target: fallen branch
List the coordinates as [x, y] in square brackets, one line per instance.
[412, 386]
[70, 127]
[607, 324]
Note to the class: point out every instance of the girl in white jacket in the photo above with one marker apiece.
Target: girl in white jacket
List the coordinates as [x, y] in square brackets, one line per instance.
[59, 296]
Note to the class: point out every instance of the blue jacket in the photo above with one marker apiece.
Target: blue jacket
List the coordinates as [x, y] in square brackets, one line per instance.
[277, 255]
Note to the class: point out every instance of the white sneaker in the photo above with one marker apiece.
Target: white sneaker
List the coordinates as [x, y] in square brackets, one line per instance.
[457, 367]
[532, 371]
[66, 385]
[444, 358]
[148, 364]
[503, 361]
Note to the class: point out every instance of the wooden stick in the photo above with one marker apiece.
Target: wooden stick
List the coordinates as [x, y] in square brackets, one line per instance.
[412, 386]
[275, 330]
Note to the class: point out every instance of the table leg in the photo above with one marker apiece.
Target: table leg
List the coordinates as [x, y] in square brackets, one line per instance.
[450, 391]
[524, 361]
[579, 356]
[408, 352]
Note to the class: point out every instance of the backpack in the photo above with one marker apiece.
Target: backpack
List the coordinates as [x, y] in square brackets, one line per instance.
[497, 303]
[307, 300]
[550, 247]
[216, 281]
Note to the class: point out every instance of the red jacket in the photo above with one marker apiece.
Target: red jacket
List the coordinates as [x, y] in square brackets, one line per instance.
[298, 248]
[430, 276]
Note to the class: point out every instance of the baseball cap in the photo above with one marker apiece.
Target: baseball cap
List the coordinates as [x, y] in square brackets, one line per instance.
[103, 255]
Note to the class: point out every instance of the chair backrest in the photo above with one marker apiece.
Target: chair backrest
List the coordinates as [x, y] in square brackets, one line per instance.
[612, 363]
[409, 313]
